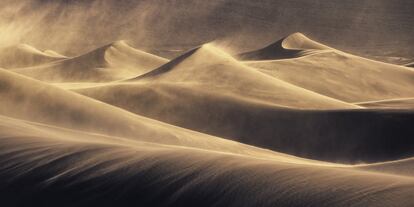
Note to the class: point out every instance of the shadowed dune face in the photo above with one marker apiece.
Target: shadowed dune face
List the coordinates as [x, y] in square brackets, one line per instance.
[111, 62]
[23, 55]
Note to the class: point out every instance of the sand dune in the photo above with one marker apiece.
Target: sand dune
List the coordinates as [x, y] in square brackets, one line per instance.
[342, 76]
[292, 46]
[295, 123]
[213, 97]
[212, 69]
[32, 100]
[38, 165]
[23, 55]
[111, 62]
[342, 136]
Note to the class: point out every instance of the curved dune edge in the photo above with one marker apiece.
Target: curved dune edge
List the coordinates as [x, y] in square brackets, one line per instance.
[85, 170]
[399, 103]
[292, 46]
[23, 55]
[342, 76]
[111, 62]
[31, 100]
[206, 90]
[210, 66]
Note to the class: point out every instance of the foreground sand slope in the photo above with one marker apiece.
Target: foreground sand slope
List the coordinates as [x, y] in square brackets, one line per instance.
[32, 100]
[22, 55]
[46, 165]
[214, 94]
[339, 75]
[111, 62]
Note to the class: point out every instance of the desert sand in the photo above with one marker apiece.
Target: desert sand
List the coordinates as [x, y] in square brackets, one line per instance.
[297, 123]
[23, 55]
[109, 63]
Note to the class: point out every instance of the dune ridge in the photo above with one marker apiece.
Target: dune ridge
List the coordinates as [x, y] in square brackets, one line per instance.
[111, 62]
[210, 96]
[292, 46]
[209, 66]
[32, 100]
[341, 76]
[23, 55]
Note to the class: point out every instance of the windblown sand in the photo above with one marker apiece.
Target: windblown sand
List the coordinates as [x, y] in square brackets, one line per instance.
[297, 123]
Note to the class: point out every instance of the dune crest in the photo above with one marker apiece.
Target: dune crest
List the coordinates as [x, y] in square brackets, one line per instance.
[342, 76]
[23, 55]
[111, 62]
[292, 46]
[31, 100]
[210, 67]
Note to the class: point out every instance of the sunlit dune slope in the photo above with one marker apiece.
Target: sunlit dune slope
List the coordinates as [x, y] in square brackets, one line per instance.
[32, 100]
[223, 98]
[23, 55]
[40, 164]
[294, 45]
[111, 62]
[212, 69]
[342, 76]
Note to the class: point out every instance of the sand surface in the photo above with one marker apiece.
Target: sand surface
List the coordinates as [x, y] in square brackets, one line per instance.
[297, 123]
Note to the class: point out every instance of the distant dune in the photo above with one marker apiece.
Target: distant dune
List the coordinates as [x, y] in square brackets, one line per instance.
[212, 69]
[22, 55]
[111, 62]
[292, 46]
[224, 98]
[342, 76]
